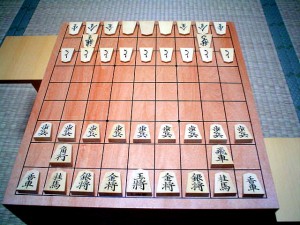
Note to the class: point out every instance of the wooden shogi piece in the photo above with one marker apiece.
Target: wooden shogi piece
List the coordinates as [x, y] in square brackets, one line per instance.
[128, 27]
[217, 134]
[227, 54]
[62, 155]
[139, 183]
[242, 134]
[224, 185]
[192, 134]
[220, 28]
[167, 184]
[110, 27]
[44, 132]
[142, 134]
[252, 186]
[165, 27]
[92, 133]
[91, 27]
[111, 184]
[89, 40]
[84, 183]
[56, 183]
[29, 182]
[196, 184]
[220, 157]
[204, 40]
[68, 132]
[117, 133]
[74, 27]
[66, 54]
[202, 27]
[166, 134]
[184, 27]
[146, 27]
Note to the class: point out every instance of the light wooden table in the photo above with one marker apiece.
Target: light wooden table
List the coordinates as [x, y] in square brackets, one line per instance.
[25, 58]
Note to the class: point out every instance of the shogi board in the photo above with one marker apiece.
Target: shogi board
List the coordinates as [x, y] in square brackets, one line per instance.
[152, 93]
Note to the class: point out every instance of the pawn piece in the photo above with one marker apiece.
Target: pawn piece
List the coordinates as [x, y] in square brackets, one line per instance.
[117, 133]
[242, 134]
[56, 183]
[165, 27]
[146, 54]
[196, 184]
[206, 54]
[110, 27]
[220, 28]
[187, 54]
[67, 133]
[111, 184]
[204, 40]
[146, 27]
[202, 27]
[128, 27]
[44, 132]
[142, 134]
[125, 54]
[166, 134]
[91, 27]
[106, 54]
[184, 27]
[167, 184]
[224, 185]
[166, 54]
[217, 134]
[30, 181]
[220, 157]
[139, 183]
[92, 133]
[84, 183]
[74, 27]
[86, 54]
[66, 54]
[227, 54]
[62, 155]
[192, 134]
[89, 40]
[252, 186]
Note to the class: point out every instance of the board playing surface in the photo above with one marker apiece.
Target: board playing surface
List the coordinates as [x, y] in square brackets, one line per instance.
[152, 93]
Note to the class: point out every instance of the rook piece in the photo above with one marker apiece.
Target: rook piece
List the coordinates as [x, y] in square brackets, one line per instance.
[167, 184]
[227, 54]
[187, 54]
[146, 27]
[217, 134]
[66, 54]
[204, 40]
[30, 181]
[56, 183]
[196, 184]
[165, 27]
[74, 27]
[92, 133]
[111, 184]
[117, 133]
[184, 27]
[192, 134]
[67, 133]
[89, 40]
[146, 54]
[166, 54]
[125, 54]
[220, 27]
[220, 157]
[206, 54]
[106, 54]
[44, 133]
[110, 27]
[242, 134]
[166, 134]
[86, 54]
[139, 183]
[62, 155]
[128, 27]
[224, 185]
[142, 134]
[252, 186]
[84, 183]
[202, 27]
[91, 27]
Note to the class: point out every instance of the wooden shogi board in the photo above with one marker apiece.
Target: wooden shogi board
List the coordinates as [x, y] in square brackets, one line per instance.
[152, 93]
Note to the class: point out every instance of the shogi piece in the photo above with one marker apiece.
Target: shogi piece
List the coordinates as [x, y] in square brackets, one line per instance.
[106, 54]
[92, 133]
[196, 184]
[224, 185]
[142, 134]
[111, 184]
[56, 183]
[206, 54]
[91, 27]
[242, 134]
[117, 133]
[128, 27]
[86, 54]
[184, 27]
[146, 27]
[62, 155]
[74, 27]
[166, 134]
[44, 132]
[165, 27]
[204, 40]
[167, 184]
[29, 182]
[125, 54]
[67, 133]
[220, 28]
[187, 54]
[66, 54]
[202, 27]
[217, 134]
[89, 40]
[252, 186]
[220, 157]
[84, 183]
[110, 27]
[227, 54]
[146, 54]
[192, 134]
[139, 183]
[166, 54]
